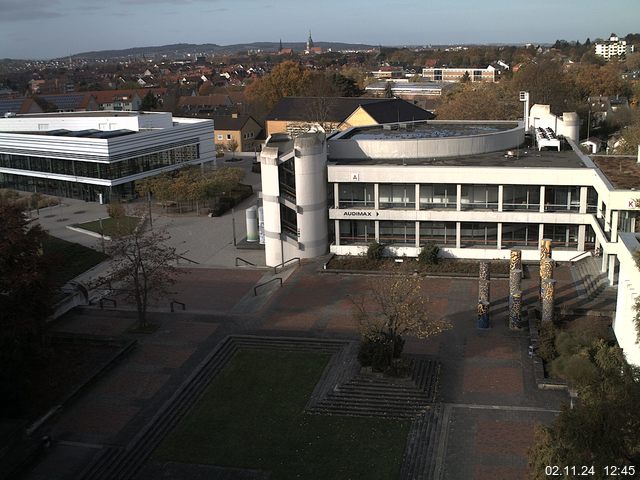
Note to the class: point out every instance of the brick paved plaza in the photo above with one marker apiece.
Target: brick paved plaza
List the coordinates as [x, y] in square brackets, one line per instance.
[486, 385]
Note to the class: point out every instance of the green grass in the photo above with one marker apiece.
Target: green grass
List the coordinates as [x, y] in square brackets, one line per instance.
[111, 225]
[251, 416]
[68, 260]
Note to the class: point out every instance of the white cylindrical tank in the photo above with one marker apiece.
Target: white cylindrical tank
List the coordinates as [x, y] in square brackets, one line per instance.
[310, 153]
[261, 225]
[571, 126]
[252, 224]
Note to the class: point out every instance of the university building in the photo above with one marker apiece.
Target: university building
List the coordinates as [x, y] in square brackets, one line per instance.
[477, 189]
[97, 156]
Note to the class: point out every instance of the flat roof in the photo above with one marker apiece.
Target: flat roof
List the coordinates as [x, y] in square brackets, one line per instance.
[622, 172]
[87, 133]
[524, 158]
[425, 130]
[97, 113]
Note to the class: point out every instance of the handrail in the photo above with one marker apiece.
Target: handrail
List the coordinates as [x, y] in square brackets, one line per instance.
[245, 261]
[588, 252]
[275, 269]
[178, 303]
[106, 299]
[178, 257]
[255, 289]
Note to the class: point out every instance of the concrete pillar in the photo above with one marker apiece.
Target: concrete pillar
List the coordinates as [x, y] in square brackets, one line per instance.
[599, 209]
[417, 196]
[545, 248]
[611, 273]
[548, 299]
[458, 227]
[483, 271]
[336, 195]
[607, 221]
[500, 198]
[540, 233]
[483, 314]
[515, 310]
[603, 265]
[542, 193]
[459, 198]
[515, 260]
[615, 215]
[377, 227]
[484, 291]
[337, 230]
[582, 234]
[499, 235]
[583, 200]
[376, 199]
[417, 234]
[515, 281]
[546, 271]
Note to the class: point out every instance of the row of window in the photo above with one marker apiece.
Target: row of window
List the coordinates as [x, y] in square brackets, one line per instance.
[354, 232]
[444, 196]
[108, 171]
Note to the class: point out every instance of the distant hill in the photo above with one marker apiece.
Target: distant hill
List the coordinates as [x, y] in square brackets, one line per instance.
[208, 48]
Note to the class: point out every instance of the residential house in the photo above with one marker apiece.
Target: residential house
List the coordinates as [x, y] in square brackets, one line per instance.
[296, 115]
[239, 131]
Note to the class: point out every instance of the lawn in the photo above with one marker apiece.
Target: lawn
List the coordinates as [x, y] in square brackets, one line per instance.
[69, 259]
[110, 225]
[251, 416]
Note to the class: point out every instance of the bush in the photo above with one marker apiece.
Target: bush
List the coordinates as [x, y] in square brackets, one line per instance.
[378, 351]
[375, 251]
[429, 254]
[546, 342]
[115, 210]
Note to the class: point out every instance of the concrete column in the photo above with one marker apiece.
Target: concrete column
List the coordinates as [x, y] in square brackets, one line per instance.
[582, 234]
[459, 197]
[603, 265]
[336, 195]
[615, 215]
[545, 248]
[542, 190]
[417, 196]
[417, 234]
[337, 230]
[484, 290]
[500, 197]
[515, 260]
[583, 200]
[376, 199]
[540, 233]
[515, 310]
[607, 221]
[515, 281]
[483, 314]
[483, 271]
[458, 227]
[611, 274]
[599, 209]
[499, 235]
[548, 299]
[377, 226]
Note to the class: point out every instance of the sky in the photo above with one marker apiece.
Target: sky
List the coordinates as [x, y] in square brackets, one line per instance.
[55, 28]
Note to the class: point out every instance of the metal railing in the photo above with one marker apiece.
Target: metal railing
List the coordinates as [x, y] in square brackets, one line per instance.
[176, 302]
[179, 257]
[580, 256]
[247, 262]
[283, 264]
[255, 289]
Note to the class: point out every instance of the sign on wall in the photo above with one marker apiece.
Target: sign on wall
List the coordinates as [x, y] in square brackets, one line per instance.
[360, 213]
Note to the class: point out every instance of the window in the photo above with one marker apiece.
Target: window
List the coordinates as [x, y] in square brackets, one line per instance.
[440, 233]
[251, 134]
[357, 232]
[287, 177]
[353, 195]
[521, 197]
[219, 136]
[479, 235]
[437, 75]
[477, 75]
[520, 235]
[562, 236]
[397, 195]
[289, 222]
[228, 136]
[592, 200]
[397, 233]
[558, 199]
[480, 197]
[438, 196]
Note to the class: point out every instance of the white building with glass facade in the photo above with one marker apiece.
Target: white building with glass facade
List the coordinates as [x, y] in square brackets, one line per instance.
[476, 189]
[97, 155]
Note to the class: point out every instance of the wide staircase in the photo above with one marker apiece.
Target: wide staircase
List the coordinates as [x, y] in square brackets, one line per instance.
[593, 286]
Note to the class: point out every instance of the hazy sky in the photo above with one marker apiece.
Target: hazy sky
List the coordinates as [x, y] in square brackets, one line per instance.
[52, 28]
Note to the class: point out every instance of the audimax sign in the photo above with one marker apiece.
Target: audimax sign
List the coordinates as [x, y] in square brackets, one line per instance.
[360, 213]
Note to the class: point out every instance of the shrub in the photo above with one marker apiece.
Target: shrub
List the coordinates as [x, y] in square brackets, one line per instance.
[378, 350]
[115, 210]
[546, 342]
[375, 251]
[429, 254]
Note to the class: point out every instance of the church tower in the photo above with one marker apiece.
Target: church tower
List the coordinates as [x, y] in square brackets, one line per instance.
[309, 43]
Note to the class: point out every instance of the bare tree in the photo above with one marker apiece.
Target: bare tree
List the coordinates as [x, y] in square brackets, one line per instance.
[143, 262]
[392, 307]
